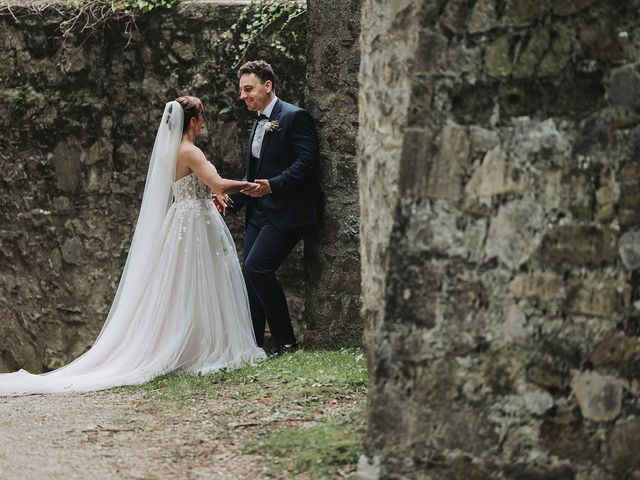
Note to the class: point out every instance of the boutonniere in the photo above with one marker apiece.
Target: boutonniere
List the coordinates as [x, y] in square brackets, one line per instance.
[272, 126]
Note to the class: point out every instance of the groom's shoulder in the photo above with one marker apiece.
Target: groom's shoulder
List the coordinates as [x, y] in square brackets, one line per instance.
[290, 107]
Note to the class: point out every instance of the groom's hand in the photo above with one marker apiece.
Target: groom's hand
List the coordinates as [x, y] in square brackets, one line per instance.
[262, 189]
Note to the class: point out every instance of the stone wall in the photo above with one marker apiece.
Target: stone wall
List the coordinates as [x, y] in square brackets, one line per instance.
[500, 229]
[332, 313]
[77, 121]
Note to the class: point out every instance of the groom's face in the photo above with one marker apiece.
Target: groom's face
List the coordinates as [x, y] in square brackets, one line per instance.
[255, 93]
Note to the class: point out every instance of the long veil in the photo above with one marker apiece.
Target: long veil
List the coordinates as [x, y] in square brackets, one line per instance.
[119, 347]
[156, 200]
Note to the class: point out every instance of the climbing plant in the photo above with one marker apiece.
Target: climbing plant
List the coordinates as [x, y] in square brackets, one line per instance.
[270, 22]
[89, 15]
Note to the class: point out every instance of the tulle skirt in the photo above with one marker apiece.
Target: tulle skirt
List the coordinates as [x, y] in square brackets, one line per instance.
[187, 311]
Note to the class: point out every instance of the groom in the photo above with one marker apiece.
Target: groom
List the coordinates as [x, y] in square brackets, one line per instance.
[282, 158]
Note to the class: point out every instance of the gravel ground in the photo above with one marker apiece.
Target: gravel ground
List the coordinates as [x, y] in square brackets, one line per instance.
[118, 435]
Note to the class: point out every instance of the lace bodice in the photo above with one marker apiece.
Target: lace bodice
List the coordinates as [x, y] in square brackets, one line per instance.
[191, 187]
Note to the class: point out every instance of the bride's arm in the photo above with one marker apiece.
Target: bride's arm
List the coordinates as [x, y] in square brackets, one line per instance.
[209, 175]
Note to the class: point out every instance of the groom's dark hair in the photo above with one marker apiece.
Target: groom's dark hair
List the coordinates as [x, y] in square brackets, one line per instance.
[260, 68]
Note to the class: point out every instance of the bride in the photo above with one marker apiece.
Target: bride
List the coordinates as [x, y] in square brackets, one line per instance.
[181, 303]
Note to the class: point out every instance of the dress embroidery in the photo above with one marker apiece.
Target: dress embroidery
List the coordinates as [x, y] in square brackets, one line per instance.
[191, 195]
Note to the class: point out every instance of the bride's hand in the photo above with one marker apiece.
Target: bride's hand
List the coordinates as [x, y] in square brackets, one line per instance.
[222, 201]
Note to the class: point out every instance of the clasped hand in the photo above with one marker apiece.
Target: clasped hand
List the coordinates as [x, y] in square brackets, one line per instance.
[258, 188]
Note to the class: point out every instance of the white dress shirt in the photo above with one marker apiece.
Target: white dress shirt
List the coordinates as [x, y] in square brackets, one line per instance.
[258, 136]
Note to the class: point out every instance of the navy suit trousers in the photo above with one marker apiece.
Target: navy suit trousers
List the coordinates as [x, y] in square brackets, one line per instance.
[265, 248]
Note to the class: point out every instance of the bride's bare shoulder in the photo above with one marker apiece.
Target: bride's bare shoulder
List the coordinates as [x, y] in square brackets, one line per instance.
[189, 151]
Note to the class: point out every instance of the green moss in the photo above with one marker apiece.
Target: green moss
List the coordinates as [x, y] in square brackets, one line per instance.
[525, 12]
[532, 54]
[546, 54]
[498, 59]
[556, 59]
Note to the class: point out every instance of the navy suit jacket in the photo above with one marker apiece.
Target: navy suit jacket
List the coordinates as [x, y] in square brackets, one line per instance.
[289, 160]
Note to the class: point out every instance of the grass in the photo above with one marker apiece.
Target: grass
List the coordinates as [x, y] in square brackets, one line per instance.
[303, 412]
[319, 451]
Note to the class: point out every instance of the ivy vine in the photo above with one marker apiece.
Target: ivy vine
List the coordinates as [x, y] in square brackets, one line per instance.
[265, 19]
[90, 15]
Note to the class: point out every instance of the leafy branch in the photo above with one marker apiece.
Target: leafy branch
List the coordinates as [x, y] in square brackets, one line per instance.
[262, 18]
[93, 14]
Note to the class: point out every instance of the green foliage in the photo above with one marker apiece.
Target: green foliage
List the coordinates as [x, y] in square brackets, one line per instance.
[124, 6]
[91, 15]
[17, 101]
[273, 19]
[124, 248]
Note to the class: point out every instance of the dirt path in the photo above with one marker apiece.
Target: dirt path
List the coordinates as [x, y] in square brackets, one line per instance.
[118, 435]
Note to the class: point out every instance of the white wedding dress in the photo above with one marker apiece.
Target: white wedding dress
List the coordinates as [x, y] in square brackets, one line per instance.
[181, 303]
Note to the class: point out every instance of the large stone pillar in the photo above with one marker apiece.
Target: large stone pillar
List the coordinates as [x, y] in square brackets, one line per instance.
[332, 260]
[500, 238]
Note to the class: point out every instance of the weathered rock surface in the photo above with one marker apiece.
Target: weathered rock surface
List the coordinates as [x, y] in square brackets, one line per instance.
[500, 212]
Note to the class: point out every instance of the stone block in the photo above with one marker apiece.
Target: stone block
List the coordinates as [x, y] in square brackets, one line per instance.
[514, 330]
[422, 97]
[482, 139]
[412, 290]
[595, 135]
[547, 377]
[454, 16]
[570, 190]
[432, 52]
[494, 176]
[600, 41]
[440, 228]
[545, 55]
[623, 445]
[629, 249]
[578, 245]
[629, 180]
[531, 136]
[601, 298]
[520, 13]
[473, 104]
[542, 285]
[623, 86]
[569, 441]
[450, 163]
[514, 234]
[599, 396]
[619, 351]
[498, 59]
[569, 7]
[538, 402]
[483, 17]
[67, 161]
[417, 152]
[555, 60]
[605, 198]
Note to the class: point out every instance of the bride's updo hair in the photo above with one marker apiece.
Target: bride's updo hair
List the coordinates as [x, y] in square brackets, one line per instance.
[192, 107]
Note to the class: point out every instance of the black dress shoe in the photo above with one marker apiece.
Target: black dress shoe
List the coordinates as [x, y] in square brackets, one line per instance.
[281, 349]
